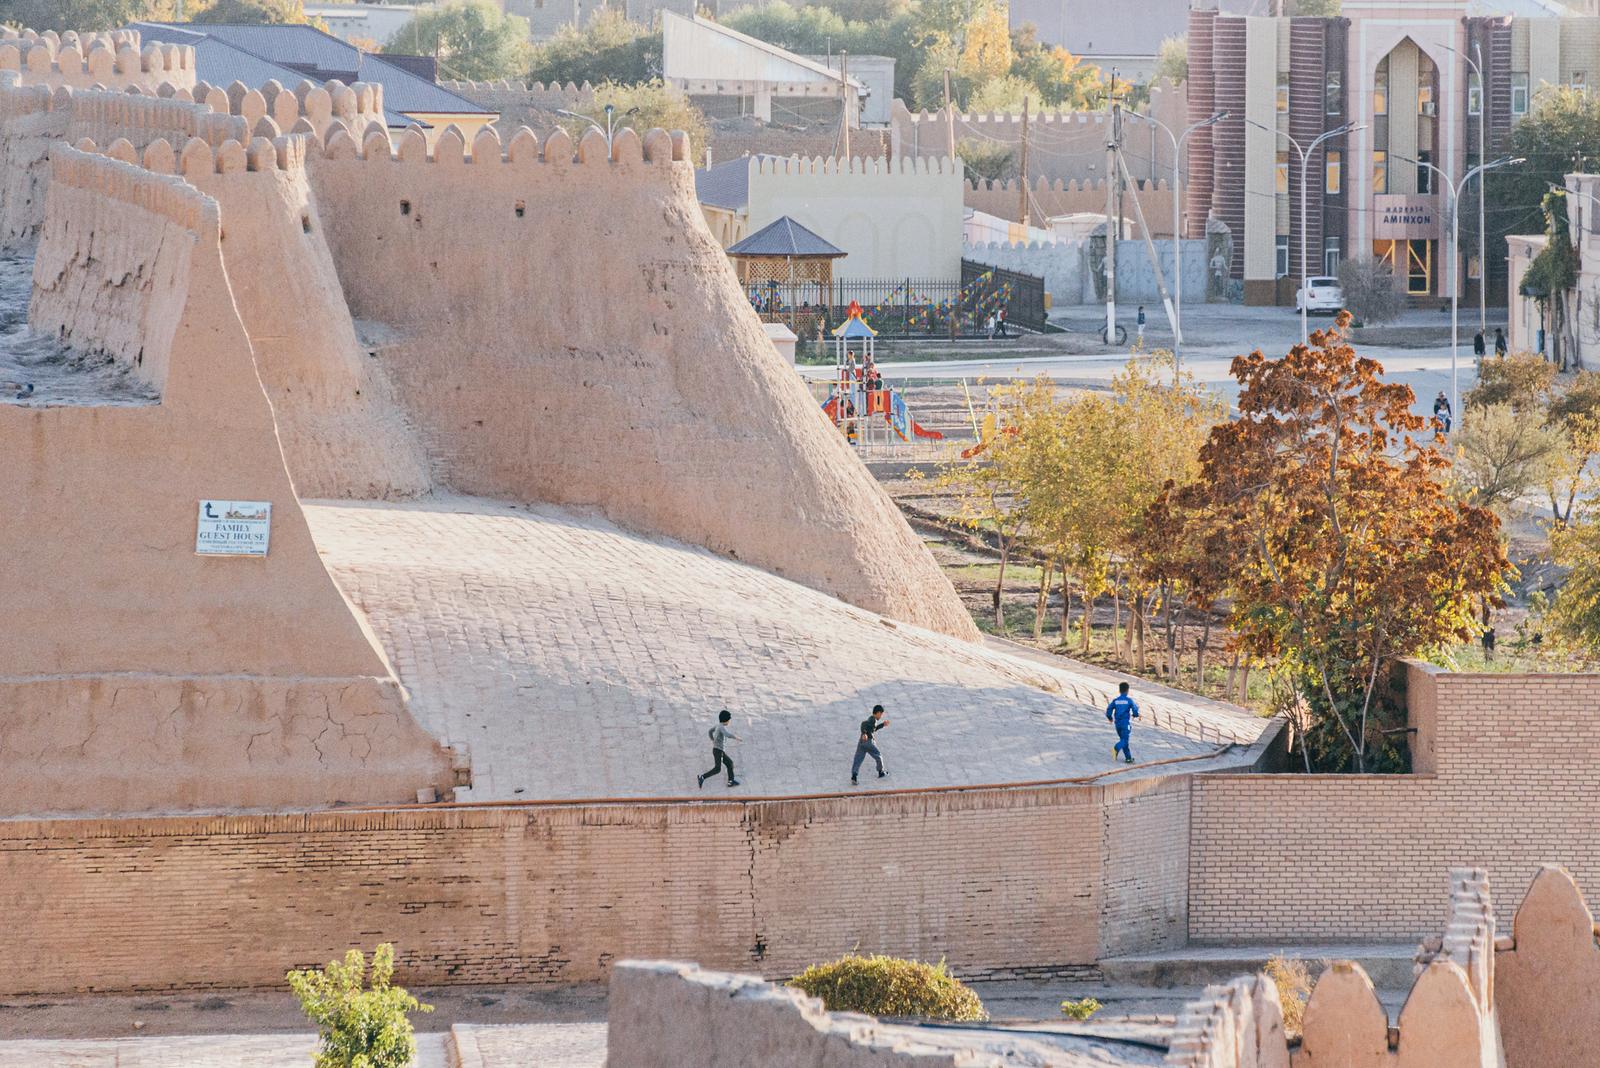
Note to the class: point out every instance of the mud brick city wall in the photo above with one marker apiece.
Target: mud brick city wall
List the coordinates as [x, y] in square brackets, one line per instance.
[1515, 783]
[997, 882]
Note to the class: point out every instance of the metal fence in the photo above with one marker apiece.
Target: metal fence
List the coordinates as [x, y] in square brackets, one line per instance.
[911, 307]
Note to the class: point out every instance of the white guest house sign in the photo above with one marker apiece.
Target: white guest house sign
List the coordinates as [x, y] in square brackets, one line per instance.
[233, 528]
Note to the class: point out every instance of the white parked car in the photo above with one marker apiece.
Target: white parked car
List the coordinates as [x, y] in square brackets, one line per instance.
[1320, 295]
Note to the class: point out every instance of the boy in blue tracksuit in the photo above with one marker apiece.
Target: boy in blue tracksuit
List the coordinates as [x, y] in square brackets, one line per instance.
[1122, 711]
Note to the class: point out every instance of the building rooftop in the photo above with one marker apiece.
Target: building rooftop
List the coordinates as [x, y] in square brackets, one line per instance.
[291, 54]
[784, 237]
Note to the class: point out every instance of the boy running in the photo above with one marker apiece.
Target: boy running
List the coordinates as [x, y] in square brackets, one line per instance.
[719, 749]
[1122, 711]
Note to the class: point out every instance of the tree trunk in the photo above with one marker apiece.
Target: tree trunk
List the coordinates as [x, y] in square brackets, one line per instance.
[1116, 621]
[1244, 689]
[1172, 635]
[1200, 657]
[1136, 603]
[1066, 606]
[1000, 586]
[1039, 602]
[1233, 676]
[1086, 621]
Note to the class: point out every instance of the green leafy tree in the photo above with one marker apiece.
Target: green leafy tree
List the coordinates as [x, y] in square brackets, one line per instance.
[1553, 273]
[1560, 131]
[609, 48]
[93, 15]
[642, 106]
[253, 13]
[362, 1019]
[1521, 380]
[1504, 453]
[1172, 60]
[987, 159]
[815, 29]
[1061, 78]
[472, 39]
[1326, 9]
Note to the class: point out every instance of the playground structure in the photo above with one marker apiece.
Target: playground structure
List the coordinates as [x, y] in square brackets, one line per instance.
[857, 393]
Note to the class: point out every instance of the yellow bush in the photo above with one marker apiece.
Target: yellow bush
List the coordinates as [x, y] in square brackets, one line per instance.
[889, 986]
[1293, 981]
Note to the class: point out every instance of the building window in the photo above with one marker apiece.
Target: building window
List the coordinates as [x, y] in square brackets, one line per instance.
[1519, 94]
[1333, 172]
[1425, 99]
[1579, 80]
[1331, 255]
[1380, 89]
[1474, 267]
[1283, 92]
[1333, 96]
[1474, 94]
[1380, 171]
[1283, 171]
[1283, 255]
[1424, 172]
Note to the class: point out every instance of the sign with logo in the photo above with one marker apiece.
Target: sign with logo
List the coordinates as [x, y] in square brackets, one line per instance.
[1405, 216]
[233, 528]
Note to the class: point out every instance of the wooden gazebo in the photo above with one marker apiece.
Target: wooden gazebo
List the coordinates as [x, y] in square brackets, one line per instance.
[786, 270]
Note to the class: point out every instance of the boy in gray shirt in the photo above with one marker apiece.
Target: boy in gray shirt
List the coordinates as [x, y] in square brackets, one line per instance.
[720, 735]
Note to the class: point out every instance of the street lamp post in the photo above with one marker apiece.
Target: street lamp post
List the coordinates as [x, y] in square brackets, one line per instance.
[1454, 189]
[1483, 146]
[1305, 229]
[1177, 220]
[609, 129]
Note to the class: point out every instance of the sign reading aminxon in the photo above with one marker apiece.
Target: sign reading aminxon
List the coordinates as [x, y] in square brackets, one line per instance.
[233, 528]
[1404, 217]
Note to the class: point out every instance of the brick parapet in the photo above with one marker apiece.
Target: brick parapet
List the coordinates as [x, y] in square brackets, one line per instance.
[1001, 883]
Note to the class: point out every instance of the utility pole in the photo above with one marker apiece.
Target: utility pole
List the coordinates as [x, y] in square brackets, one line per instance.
[949, 119]
[1112, 233]
[1022, 200]
[844, 80]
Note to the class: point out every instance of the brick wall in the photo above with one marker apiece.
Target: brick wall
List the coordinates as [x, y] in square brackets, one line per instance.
[1516, 783]
[998, 882]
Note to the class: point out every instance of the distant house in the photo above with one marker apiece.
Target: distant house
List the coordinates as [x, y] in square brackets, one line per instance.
[1106, 35]
[364, 22]
[255, 55]
[729, 73]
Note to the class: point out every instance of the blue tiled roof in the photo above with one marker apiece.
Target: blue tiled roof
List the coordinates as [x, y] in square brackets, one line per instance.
[291, 54]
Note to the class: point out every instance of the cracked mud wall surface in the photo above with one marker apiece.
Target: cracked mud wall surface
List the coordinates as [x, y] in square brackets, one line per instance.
[343, 430]
[135, 674]
[569, 333]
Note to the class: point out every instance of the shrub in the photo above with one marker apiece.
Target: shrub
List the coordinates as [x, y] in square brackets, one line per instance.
[358, 1027]
[889, 986]
[1080, 1010]
[1293, 980]
[1369, 291]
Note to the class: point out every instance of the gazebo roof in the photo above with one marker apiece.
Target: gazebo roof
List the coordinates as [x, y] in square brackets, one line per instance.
[784, 237]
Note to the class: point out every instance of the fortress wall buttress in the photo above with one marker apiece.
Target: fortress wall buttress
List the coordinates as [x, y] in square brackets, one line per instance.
[342, 427]
[261, 688]
[568, 331]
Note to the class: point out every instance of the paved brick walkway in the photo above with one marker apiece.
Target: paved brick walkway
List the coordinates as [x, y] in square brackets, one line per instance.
[578, 660]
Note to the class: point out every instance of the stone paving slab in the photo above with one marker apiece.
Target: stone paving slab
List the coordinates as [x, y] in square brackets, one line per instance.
[190, 1051]
[546, 1045]
[575, 660]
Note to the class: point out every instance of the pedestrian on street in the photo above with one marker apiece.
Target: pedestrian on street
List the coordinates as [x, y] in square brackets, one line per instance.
[1000, 323]
[1122, 711]
[720, 736]
[864, 747]
[1441, 410]
[1499, 342]
[1140, 323]
[1479, 350]
[988, 326]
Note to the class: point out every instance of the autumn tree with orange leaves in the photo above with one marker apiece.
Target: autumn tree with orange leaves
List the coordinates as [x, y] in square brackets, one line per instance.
[1322, 514]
